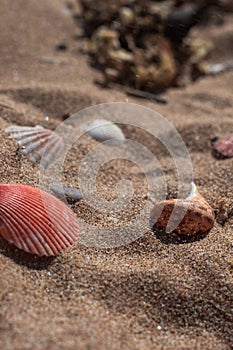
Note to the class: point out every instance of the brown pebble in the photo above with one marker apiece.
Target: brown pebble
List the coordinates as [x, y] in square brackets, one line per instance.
[197, 214]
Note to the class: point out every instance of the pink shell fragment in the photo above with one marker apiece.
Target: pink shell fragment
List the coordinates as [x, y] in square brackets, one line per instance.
[224, 147]
[35, 221]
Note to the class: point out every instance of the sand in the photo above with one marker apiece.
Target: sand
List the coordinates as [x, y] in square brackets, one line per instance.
[156, 292]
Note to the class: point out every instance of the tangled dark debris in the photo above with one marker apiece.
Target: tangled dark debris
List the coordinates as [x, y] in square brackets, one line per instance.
[145, 44]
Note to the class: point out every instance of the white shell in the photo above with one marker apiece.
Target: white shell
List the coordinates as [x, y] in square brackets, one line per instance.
[103, 130]
[37, 142]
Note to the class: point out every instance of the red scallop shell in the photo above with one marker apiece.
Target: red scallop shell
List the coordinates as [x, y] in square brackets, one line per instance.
[35, 221]
[224, 147]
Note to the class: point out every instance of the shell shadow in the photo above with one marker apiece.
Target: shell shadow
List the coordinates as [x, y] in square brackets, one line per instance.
[218, 156]
[174, 238]
[33, 262]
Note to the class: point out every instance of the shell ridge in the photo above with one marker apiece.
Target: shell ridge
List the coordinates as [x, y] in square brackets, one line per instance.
[30, 216]
[19, 218]
[27, 140]
[20, 135]
[37, 136]
[36, 221]
[43, 206]
[11, 234]
[33, 146]
[23, 244]
[52, 148]
[35, 140]
[65, 225]
[42, 211]
[36, 230]
[14, 128]
[53, 214]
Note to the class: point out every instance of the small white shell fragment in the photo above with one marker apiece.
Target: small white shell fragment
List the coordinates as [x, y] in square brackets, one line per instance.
[104, 130]
[40, 145]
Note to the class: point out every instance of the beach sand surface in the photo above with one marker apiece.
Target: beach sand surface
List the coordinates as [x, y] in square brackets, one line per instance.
[156, 292]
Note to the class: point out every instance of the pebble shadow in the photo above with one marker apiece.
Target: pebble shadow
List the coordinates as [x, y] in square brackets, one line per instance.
[173, 238]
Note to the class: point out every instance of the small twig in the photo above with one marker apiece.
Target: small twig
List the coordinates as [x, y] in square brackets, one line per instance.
[138, 93]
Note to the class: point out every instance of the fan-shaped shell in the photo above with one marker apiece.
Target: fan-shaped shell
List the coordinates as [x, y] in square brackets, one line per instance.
[224, 147]
[35, 221]
[103, 130]
[196, 212]
[37, 142]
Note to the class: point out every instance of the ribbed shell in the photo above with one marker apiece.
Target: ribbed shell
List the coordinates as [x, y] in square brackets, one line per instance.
[103, 130]
[198, 218]
[224, 147]
[35, 221]
[37, 142]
